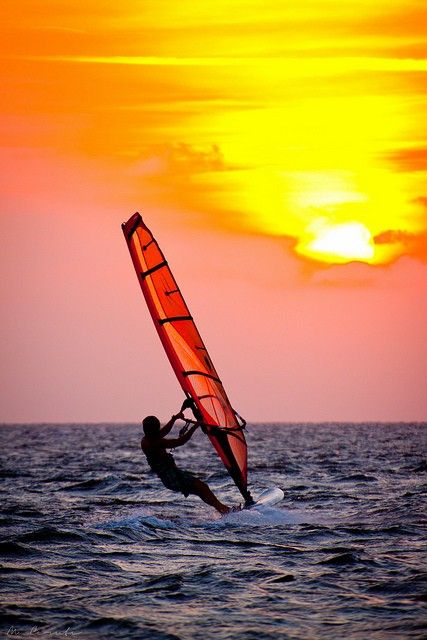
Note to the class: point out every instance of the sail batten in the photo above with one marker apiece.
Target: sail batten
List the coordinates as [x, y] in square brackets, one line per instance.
[175, 319]
[186, 350]
[145, 274]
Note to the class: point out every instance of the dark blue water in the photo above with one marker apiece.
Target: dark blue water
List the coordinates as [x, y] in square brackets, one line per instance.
[93, 546]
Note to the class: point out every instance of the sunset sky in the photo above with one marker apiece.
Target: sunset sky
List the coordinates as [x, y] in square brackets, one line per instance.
[277, 151]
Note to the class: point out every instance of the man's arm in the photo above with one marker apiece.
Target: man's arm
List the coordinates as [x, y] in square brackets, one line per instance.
[168, 426]
[171, 443]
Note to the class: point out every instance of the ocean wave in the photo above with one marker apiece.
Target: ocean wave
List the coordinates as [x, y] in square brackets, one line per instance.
[11, 548]
[51, 534]
[94, 545]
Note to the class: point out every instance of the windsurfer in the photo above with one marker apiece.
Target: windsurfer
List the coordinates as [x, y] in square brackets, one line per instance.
[154, 445]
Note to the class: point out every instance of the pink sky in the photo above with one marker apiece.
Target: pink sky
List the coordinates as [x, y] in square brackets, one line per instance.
[291, 343]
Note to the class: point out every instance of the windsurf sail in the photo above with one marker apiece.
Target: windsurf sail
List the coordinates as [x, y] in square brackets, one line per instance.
[187, 353]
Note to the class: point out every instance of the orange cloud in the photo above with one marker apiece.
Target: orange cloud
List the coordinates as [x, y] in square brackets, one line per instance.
[412, 159]
[288, 120]
[407, 242]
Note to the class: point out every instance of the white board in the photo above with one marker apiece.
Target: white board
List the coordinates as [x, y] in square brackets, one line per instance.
[268, 498]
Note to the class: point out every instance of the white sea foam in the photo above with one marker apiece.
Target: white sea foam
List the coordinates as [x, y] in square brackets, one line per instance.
[261, 516]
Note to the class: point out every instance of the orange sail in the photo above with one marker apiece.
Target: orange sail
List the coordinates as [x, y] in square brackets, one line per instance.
[187, 352]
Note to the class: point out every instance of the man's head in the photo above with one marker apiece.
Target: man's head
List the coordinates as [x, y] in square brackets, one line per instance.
[151, 426]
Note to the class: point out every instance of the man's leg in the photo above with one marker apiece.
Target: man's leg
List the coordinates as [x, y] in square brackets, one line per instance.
[202, 490]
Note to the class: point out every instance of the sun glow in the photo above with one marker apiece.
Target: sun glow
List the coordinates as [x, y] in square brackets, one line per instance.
[329, 216]
[281, 167]
[346, 242]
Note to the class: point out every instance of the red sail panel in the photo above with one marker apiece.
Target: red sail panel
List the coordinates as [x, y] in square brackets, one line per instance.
[186, 350]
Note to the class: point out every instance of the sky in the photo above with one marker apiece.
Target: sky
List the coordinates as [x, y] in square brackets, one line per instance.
[278, 153]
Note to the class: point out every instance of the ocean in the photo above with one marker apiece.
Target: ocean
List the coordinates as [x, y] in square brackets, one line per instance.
[93, 546]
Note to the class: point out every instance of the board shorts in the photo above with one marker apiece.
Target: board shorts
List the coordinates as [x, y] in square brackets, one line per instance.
[175, 479]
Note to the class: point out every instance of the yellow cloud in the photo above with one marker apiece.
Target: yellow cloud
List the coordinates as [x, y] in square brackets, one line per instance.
[295, 67]
[301, 120]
